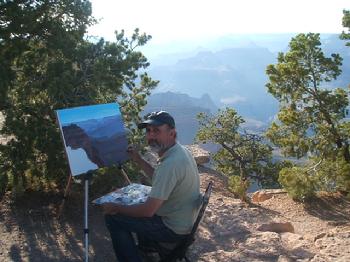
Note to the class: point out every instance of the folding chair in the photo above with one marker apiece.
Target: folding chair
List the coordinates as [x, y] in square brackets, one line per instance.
[170, 252]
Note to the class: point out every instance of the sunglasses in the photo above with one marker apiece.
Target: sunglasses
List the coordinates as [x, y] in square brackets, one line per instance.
[154, 114]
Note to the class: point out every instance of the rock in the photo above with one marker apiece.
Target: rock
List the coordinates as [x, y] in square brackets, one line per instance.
[284, 258]
[276, 191]
[337, 223]
[267, 243]
[277, 227]
[334, 246]
[319, 258]
[235, 232]
[260, 196]
[321, 235]
[151, 158]
[297, 246]
[200, 155]
[219, 255]
[265, 194]
[292, 238]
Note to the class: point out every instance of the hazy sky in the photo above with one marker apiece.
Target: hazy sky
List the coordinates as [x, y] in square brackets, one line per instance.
[188, 19]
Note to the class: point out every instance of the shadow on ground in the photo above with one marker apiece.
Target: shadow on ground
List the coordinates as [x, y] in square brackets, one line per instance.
[331, 207]
[32, 231]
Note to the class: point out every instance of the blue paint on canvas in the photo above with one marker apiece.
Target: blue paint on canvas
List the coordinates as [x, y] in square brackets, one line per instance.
[83, 113]
[94, 136]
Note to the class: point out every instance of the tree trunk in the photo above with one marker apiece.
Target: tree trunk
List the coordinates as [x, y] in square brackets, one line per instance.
[346, 152]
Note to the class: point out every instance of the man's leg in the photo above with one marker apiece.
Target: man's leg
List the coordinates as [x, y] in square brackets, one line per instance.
[120, 228]
[123, 243]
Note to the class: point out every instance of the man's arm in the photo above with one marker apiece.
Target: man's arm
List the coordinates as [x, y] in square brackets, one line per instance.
[147, 209]
[144, 165]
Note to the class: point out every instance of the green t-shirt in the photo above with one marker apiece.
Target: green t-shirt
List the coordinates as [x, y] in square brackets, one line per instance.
[176, 181]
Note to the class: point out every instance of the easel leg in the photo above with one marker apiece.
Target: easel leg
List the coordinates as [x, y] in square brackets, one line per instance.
[125, 175]
[86, 209]
[86, 225]
[66, 192]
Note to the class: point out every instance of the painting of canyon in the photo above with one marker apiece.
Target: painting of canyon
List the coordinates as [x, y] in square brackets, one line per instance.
[94, 136]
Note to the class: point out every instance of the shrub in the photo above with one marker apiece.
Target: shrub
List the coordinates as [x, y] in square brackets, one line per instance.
[297, 182]
[239, 187]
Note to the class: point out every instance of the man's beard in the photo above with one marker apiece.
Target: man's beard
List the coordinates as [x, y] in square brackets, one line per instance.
[156, 147]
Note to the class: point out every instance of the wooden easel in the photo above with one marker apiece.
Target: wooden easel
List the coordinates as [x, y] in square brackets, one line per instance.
[69, 182]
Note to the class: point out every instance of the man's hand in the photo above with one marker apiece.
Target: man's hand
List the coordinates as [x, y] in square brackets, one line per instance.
[110, 208]
[134, 154]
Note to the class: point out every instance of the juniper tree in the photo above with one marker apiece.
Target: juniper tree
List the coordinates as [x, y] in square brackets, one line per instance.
[243, 156]
[47, 62]
[311, 117]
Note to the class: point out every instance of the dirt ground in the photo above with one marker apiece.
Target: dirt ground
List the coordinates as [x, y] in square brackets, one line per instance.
[31, 230]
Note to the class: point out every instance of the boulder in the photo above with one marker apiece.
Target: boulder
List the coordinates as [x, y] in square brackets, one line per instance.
[260, 196]
[277, 227]
[200, 155]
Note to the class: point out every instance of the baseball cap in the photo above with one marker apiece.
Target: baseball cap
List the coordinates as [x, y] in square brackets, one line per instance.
[157, 119]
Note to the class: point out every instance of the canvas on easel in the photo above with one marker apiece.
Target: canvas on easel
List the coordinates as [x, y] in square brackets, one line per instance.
[94, 136]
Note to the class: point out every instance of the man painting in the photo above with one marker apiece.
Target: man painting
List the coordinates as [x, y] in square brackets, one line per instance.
[170, 210]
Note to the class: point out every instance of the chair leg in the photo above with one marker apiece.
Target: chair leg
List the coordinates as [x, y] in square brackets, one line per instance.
[186, 259]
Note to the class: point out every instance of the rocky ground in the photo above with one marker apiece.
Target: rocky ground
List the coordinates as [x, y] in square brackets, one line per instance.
[318, 231]
[230, 231]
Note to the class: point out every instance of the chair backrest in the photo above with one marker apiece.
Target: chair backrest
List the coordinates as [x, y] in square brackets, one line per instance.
[204, 204]
[180, 250]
